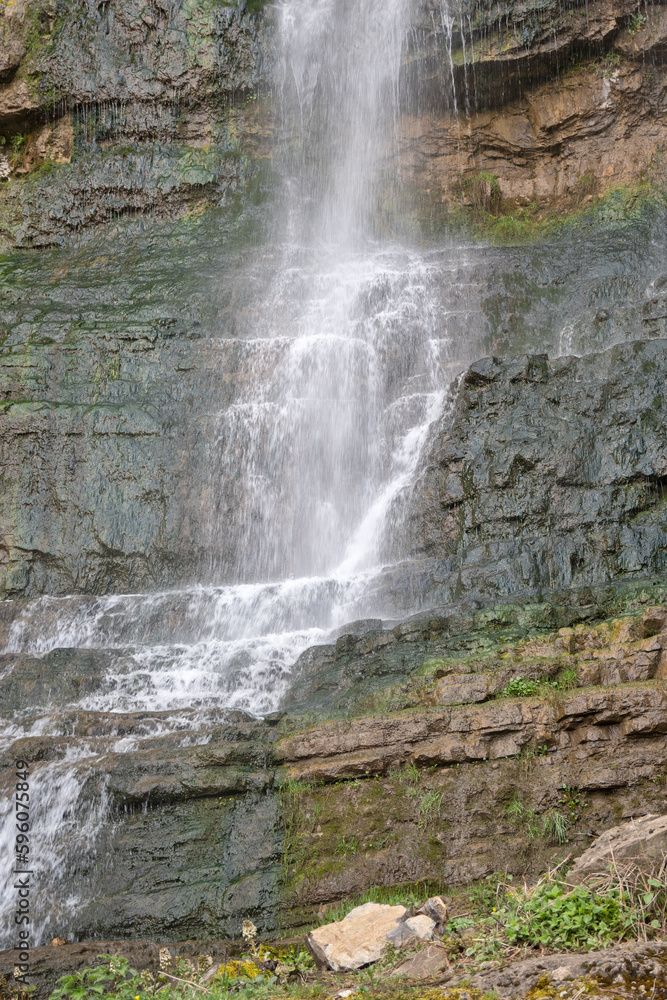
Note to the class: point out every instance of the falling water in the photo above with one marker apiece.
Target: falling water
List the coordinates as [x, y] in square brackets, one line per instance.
[311, 469]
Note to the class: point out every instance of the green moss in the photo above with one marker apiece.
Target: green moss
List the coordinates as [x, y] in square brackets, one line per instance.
[509, 225]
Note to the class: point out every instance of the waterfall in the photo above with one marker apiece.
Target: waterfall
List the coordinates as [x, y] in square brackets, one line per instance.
[311, 468]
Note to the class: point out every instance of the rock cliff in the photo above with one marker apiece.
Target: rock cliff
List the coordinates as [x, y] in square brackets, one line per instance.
[116, 109]
[523, 710]
[144, 109]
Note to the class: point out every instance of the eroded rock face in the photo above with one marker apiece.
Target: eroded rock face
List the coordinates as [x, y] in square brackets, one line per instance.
[474, 788]
[627, 962]
[152, 109]
[138, 95]
[549, 473]
[193, 837]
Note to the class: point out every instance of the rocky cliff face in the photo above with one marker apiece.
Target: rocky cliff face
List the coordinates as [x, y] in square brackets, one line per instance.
[115, 362]
[125, 110]
[116, 109]
[547, 106]
[275, 819]
[543, 487]
[550, 474]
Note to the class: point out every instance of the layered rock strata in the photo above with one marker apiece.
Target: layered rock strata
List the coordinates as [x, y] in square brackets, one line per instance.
[155, 109]
[544, 474]
[127, 108]
[275, 819]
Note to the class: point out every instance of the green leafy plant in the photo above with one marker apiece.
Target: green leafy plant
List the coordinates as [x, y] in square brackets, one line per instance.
[636, 23]
[572, 800]
[556, 916]
[520, 687]
[487, 895]
[523, 687]
[608, 63]
[113, 978]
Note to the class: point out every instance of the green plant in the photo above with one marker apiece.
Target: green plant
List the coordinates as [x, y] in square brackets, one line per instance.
[293, 961]
[429, 806]
[487, 895]
[523, 816]
[19, 143]
[607, 64]
[572, 801]
[347, 845]
[113, 978]
[520, 687]
[555, 826]
[556, 916]
[636, 23]
[566, 680]
[523, 687]
[410, 774]
[482, 191]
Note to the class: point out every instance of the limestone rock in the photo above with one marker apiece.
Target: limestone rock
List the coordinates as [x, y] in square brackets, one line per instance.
[641, 841]
[462, 689]
[630, 961]
[436, 909]
[359, 939]
[426, 963]
[419, 928]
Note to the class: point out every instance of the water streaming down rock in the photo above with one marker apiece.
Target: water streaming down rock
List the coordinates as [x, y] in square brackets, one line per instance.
[310, 468]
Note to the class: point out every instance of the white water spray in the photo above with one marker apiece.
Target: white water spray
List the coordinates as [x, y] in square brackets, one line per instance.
[312, 467]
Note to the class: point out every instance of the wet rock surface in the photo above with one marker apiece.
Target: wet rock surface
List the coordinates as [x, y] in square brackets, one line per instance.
[113, 384]
[155, 110]
[128, 108]
[549, 473]
[201, 832]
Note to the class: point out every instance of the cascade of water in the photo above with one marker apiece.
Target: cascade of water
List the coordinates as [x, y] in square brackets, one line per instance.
[311, 463]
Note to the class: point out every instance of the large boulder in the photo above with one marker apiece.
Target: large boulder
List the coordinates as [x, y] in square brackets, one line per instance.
[359, 939]
[642, 842]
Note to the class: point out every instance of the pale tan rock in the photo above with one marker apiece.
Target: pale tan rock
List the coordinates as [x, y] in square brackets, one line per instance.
[419, 928]
[641, 841]
[492, 731]
[359, 939]
[462, 689]
[661, 669]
